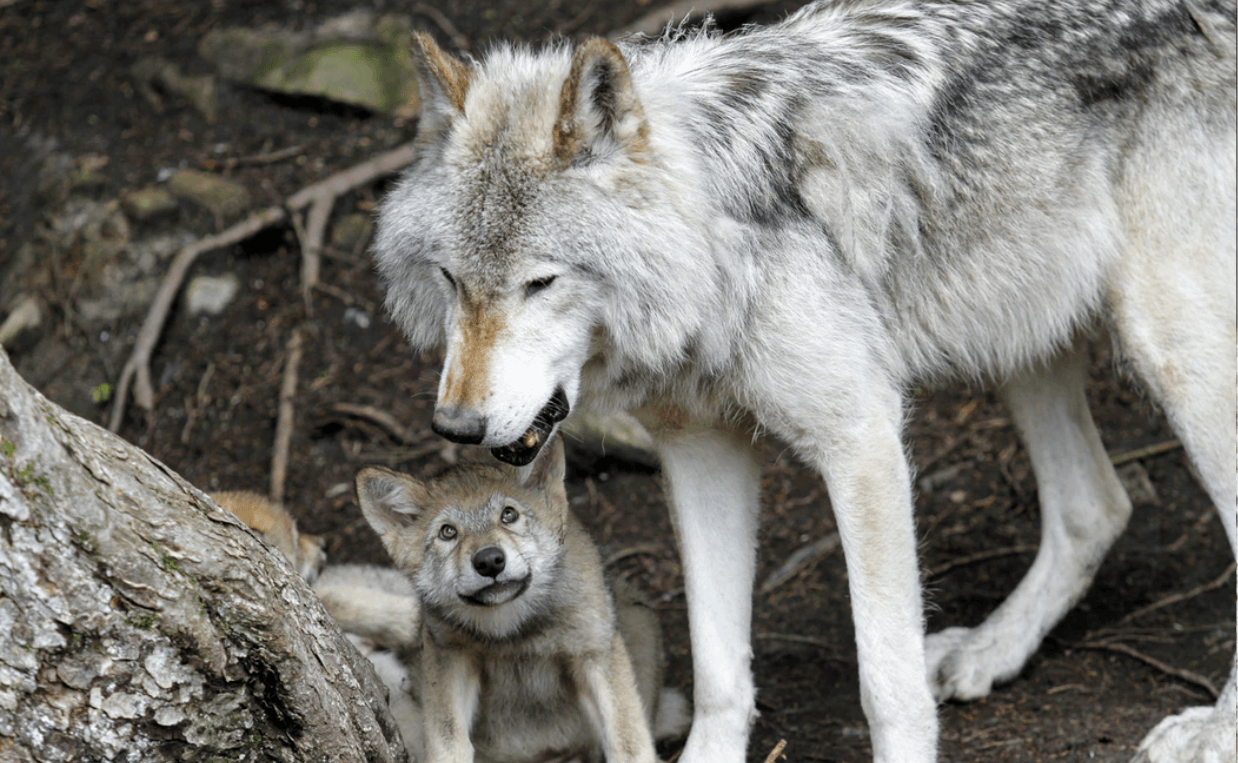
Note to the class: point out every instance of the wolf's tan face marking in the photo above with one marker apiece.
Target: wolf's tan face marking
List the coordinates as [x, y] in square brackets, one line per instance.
[468, 374]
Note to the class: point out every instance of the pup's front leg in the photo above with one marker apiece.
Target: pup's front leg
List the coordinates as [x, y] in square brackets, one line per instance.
[449, 695]
[608, 690]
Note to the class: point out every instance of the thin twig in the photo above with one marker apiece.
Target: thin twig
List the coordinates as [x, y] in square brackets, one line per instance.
[383, 419]
[776, 753]
[800, 559]
[311, 247]
[650, 549]
[1180, 597]
[1151, 450]
[981, 557]
[1189, 676]
[258, 160]
[284, 420]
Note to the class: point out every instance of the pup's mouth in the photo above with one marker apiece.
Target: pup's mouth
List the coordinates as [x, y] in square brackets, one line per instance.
[525, 449]
[498, 593]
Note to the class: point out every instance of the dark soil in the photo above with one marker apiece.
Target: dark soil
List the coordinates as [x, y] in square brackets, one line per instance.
[66, 92]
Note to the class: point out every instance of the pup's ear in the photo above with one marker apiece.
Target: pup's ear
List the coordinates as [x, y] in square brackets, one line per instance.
[443, 83]
[547, 474]
[598, 109]
[391, 502]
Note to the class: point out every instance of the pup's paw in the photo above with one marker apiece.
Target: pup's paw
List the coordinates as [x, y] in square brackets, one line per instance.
[962, 663]
[1196, 735]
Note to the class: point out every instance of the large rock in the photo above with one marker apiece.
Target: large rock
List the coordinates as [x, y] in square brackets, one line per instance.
[358, 59]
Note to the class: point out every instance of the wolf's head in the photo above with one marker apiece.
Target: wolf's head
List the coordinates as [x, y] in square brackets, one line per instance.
[481, 543]
[535, 227]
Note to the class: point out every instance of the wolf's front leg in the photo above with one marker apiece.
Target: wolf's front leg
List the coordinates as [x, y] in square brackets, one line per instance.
[449, 696]
[869, 483]
[713, 481]
[613, 705]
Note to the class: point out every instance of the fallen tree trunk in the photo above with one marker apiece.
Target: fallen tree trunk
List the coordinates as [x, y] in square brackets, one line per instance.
[140, 621]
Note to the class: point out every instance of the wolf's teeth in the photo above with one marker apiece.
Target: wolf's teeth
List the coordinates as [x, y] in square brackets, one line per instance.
[530, 438]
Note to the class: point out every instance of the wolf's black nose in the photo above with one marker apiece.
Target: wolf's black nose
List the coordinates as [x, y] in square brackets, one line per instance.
[459, 425]
[489, 562]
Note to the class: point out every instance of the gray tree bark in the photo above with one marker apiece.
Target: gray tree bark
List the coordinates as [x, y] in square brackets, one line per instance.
[141, 622]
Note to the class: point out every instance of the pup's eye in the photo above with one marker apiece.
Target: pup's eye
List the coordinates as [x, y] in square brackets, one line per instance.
[509, 515]
[541, 284]
[447, 275]
[447, 532]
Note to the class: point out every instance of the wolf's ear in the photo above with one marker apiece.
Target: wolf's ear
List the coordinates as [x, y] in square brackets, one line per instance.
[442, 81]
[390, 501]
[598, 108]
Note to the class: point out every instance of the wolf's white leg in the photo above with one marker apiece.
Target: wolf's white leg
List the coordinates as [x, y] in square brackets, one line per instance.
[1083, 510]
[1196, 389]
[713, 481]
[869, 481]
[1173, 306]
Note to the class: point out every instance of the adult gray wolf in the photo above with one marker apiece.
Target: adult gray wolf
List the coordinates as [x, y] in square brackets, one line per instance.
[530, 655]
[778, 232]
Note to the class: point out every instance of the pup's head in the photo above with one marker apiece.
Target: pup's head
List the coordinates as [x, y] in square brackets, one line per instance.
[535, 224]
[480, 542]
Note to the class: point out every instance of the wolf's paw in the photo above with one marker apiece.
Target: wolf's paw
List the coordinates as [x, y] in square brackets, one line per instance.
[962, 663]
[1196, 735]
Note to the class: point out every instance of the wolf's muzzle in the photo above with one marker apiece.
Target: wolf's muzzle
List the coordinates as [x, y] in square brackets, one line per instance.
[459, 425]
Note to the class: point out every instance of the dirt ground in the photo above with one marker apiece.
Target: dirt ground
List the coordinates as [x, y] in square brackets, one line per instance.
[66, 93]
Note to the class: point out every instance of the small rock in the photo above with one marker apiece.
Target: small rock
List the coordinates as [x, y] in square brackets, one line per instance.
[22, 322]
[356, 317]
[220, 196]
[146, 204]
[153, 75]
[352, 232]
[1138, 484]
[210, 294]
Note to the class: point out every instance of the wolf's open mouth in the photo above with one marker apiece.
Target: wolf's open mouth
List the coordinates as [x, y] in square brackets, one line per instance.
[499, 593]
[525, 449]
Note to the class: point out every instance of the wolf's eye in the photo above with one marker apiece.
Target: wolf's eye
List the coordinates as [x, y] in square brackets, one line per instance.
[447, 532]
[540, 285]
[447, 275]
[509, 515]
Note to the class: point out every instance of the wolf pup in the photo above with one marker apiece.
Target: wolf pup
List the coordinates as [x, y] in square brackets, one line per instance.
[525, 653]
[278, 528]
[779, 232]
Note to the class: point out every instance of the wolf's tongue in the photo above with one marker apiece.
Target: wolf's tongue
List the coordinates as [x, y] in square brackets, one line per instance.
[524, 450]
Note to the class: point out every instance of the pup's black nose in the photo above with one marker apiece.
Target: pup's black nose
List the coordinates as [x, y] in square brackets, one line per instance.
[489, 562]
[459, 425]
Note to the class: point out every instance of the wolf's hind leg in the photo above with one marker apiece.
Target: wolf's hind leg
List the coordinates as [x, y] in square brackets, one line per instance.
[1083, 510]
